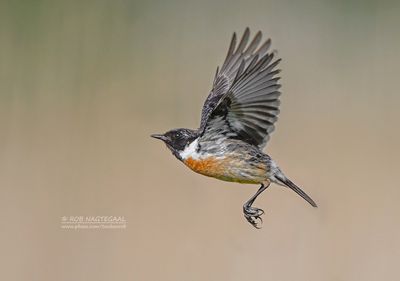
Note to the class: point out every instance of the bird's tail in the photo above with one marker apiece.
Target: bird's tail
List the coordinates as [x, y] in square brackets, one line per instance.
[285, 181]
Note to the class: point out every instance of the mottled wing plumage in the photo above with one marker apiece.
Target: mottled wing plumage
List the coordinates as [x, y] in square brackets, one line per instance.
[244, 101]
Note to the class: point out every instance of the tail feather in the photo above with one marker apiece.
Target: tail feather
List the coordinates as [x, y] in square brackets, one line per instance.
[296, 189]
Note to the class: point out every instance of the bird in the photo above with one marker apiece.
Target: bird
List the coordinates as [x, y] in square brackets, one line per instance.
[237, 120]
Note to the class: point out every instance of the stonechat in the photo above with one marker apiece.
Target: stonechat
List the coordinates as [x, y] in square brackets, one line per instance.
[237, 120]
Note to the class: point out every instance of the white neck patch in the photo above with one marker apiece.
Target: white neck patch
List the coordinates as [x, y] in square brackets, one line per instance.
[190, 150]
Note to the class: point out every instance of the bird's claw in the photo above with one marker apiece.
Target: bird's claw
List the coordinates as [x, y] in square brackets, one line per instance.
[253, 216]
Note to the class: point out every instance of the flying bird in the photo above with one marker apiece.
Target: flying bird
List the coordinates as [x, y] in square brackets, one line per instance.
[237, 120]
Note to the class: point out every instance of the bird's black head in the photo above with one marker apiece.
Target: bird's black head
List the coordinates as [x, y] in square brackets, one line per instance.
[177, 139]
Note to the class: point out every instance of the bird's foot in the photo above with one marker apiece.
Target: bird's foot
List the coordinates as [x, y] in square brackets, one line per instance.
[253, 215]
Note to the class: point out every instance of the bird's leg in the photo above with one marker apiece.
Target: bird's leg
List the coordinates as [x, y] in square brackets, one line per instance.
[253, 214]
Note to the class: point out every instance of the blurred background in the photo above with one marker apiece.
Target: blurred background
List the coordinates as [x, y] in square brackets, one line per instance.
[84, 83]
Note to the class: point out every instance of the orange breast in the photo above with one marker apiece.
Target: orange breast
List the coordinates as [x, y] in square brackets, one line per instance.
[226, 169]
[209, 166]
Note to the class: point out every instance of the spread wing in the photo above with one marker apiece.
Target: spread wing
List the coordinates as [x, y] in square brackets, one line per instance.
[244, 101]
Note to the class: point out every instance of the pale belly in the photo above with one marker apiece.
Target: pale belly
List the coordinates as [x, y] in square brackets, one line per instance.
[233, 169]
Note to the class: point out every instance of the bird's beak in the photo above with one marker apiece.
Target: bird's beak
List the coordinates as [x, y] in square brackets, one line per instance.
[159, 136]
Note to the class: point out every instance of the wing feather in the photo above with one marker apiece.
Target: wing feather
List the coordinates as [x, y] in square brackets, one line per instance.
[244, 102]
